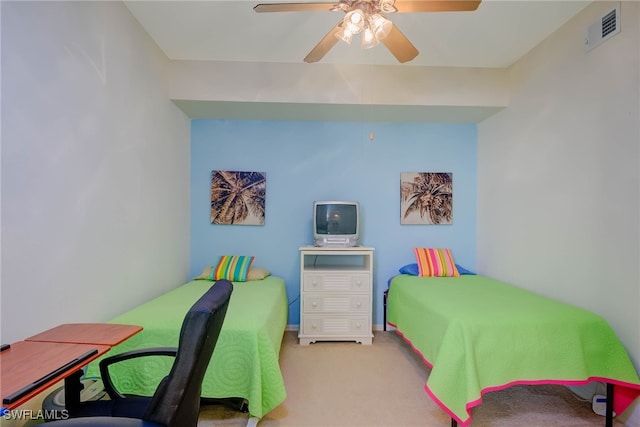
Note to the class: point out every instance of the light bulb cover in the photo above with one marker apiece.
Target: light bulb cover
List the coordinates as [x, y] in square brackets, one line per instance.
[387, 6]
[369, 39]
[345, 35]
[380, 26]
[354, 21]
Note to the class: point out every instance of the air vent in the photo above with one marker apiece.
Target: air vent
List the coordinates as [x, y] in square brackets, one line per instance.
[609, 22]
[603, 29]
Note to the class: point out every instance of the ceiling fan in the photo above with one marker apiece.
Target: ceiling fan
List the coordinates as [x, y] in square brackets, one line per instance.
[366, 17]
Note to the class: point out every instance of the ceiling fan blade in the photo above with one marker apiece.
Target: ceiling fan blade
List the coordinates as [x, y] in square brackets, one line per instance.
[408, 6]
[399, 45]
[324, 45]
[293, 7]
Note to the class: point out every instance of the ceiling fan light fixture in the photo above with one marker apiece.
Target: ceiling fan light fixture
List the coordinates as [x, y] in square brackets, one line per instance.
[370, 15]
[380, 26]
[369, 39]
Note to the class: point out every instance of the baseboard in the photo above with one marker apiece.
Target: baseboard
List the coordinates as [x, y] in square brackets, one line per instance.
[376, 327]
[586, 392]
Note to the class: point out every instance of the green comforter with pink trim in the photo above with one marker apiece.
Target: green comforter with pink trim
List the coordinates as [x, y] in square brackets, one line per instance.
[481, 335]
[245, 361]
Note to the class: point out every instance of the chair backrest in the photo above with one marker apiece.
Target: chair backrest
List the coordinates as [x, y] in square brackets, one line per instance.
[176, 401]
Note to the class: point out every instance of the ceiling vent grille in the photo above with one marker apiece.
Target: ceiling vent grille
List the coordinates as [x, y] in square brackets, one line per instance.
[603, 29]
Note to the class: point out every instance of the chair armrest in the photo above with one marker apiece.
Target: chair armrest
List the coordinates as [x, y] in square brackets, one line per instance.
[133, 354]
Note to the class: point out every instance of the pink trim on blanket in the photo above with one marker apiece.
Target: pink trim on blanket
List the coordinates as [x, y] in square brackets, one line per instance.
[625, 393]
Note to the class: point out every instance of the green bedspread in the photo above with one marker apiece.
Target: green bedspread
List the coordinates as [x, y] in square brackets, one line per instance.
[245, 362]
[480, 335]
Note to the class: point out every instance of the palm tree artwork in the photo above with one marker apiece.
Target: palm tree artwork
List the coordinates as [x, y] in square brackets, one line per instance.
[426, 198]
[238, 197]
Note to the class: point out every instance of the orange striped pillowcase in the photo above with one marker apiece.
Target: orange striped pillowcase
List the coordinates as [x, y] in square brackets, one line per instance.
[434, 262]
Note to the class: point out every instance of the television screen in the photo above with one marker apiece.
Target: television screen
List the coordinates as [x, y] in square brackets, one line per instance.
[336, 219]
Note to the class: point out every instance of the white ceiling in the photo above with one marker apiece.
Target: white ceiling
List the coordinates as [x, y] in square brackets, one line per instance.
[497, 34]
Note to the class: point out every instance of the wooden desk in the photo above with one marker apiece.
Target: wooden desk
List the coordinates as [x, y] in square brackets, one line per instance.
[88, 333]
[29, 361]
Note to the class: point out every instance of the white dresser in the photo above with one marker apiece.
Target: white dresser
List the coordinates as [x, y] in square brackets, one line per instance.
[336, 287]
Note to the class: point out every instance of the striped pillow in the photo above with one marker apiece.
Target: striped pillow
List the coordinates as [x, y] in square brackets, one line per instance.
[435, 263]
[231, 267]
[254, 273]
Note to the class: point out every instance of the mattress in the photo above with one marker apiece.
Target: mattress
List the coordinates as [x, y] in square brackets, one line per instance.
[480, 335]
[245, 361]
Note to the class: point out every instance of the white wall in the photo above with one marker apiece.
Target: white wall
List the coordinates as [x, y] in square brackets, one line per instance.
[95, 167]
[558, 174]
[389, 93]
[337, 84]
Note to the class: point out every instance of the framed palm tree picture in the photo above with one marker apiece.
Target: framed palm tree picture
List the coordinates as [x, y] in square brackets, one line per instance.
[238, 197]
[426, 198]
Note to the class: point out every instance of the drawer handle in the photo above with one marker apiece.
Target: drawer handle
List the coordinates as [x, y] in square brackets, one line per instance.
[314, 326]
[359, 305]
[314, 304]
[314, 283]
[358, 325]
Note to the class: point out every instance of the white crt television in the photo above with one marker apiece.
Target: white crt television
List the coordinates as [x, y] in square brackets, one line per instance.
[336, 223]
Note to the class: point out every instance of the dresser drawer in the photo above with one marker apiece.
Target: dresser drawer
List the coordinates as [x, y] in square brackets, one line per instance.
[336, 325]
[337, 282]
[336, 303]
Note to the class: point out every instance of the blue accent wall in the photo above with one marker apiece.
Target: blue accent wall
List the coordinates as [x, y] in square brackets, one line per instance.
[307, 161]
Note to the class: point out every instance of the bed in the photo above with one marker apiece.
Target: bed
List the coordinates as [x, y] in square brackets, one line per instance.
[245, 362]
[480, 335]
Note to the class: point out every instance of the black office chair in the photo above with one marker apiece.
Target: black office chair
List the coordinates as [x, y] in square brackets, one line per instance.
[176, 401]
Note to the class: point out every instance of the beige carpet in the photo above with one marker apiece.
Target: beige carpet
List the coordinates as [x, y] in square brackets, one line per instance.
[351, 385]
